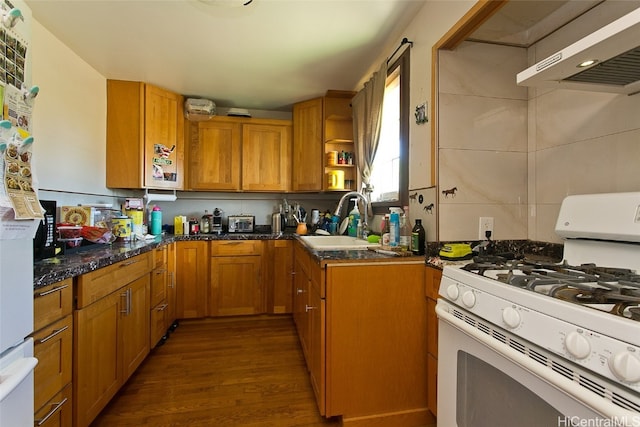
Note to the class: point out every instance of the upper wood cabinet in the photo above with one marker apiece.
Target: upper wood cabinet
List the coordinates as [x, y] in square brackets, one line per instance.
[235, 154]
[307, 149]
[145, 136]
[266, 157]
[214, 155]
[322, 125]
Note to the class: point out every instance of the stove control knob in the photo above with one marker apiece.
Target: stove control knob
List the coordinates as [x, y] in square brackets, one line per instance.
[469, 299]
[625, 366]
[511, 317]
[453, 292]
[577, 345]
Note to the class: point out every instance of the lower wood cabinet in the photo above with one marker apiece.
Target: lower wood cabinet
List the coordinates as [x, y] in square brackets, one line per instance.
[53, 347]
[278, 265]
[363, 330]
[192, 276]
[57, 412]
[111, 336]
[236, 286]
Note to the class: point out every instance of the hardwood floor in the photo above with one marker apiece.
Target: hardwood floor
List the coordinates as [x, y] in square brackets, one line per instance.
[221, 372]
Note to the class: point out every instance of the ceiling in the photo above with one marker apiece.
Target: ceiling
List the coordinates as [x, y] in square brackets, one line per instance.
[266, 55]
[522, 23]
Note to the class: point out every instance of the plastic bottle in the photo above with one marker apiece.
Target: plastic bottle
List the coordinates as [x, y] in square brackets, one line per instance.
[418, 236]
[156, 221]
[405, 232]
[359, 234]
[386, 231]
[394, 229]
[205, 222]
[354, 216]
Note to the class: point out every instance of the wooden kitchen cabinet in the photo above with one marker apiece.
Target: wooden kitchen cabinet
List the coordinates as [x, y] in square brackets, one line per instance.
[235, 154]
[338, 135]
[236, 286]
[322, 125]
[266, 156]
[432, 284]
[192, 275]
[145, 136]
[111, 333]
[278, 264]
[363, 326]
[52, 346]
[215, 149]
[159, 295]
[57, 412]
[307, 151]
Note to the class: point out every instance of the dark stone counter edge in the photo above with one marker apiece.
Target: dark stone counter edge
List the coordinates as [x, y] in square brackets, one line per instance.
[53, 270]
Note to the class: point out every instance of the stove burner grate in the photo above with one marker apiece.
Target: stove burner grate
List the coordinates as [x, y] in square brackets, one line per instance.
[614, 290]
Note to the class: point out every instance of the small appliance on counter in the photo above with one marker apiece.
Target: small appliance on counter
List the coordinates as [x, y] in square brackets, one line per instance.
[216, 222]
[241, 223]
[44, 243]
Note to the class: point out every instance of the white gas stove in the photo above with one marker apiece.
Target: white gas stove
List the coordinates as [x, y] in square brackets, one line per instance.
[581, 318]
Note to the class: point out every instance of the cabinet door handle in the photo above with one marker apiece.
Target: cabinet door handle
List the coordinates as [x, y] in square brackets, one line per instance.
[172, 283]
[127, 263]
[56, 408]
[126, 302]
[160, 271]
[308, 308]
[162, 307]
[129, 292]
[300, 291]
[52, 334]
[50, 291]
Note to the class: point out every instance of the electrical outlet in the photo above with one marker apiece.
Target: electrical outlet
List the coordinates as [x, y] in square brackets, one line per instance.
[486, 224]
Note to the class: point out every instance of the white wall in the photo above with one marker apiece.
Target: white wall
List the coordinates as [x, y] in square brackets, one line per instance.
[429, 25]
[70, 118]
[579, 142]
[482, 142]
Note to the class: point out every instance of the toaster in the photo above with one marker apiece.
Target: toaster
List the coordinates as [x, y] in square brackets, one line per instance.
[241, 223]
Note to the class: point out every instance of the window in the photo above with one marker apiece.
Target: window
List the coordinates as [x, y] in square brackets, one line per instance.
[390, 176]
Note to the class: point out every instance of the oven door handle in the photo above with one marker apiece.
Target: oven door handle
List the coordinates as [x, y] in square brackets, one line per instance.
[604, 407]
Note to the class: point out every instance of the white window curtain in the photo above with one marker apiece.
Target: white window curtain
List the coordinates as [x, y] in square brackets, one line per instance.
[367, 120]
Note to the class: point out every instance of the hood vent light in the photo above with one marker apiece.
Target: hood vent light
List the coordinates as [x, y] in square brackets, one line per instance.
[619, 71]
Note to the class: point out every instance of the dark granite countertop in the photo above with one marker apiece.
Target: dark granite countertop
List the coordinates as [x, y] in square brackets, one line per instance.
[97, 256]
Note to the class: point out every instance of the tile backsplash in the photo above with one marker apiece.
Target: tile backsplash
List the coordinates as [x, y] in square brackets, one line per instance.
[514, 153]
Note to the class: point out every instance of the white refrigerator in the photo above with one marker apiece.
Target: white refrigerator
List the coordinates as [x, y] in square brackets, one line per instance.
[16, 237]
[16, 323]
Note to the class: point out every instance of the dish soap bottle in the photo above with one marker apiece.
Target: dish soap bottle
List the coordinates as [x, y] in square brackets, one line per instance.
[405, 232]
[354, 216]
[394, 228]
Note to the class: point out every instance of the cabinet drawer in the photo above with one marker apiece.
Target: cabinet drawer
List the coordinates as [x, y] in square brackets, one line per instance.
[160, 257]
[432, 282]
[302, 258]
[158, 323]
[236, 247]
[52, 302]
[52, 347]
[100, 283]
[158, 286]
[57, 412]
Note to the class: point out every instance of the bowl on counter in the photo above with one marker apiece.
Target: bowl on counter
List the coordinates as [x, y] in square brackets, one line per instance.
[72, 242]
[69, 231]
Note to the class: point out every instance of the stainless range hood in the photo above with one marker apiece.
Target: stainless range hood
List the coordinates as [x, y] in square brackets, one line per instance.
[616, 49]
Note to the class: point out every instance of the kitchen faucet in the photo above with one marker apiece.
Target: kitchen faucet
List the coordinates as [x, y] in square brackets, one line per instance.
[366, 207]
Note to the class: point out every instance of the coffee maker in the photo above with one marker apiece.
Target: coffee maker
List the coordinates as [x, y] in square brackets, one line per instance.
[216, 224]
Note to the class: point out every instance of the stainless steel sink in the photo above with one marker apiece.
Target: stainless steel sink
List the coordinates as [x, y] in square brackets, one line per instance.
[336, 243]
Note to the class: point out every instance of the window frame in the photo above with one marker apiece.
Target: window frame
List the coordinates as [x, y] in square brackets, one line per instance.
[380, 208]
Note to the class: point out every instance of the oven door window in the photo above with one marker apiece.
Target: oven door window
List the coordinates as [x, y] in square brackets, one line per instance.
[487, 396]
